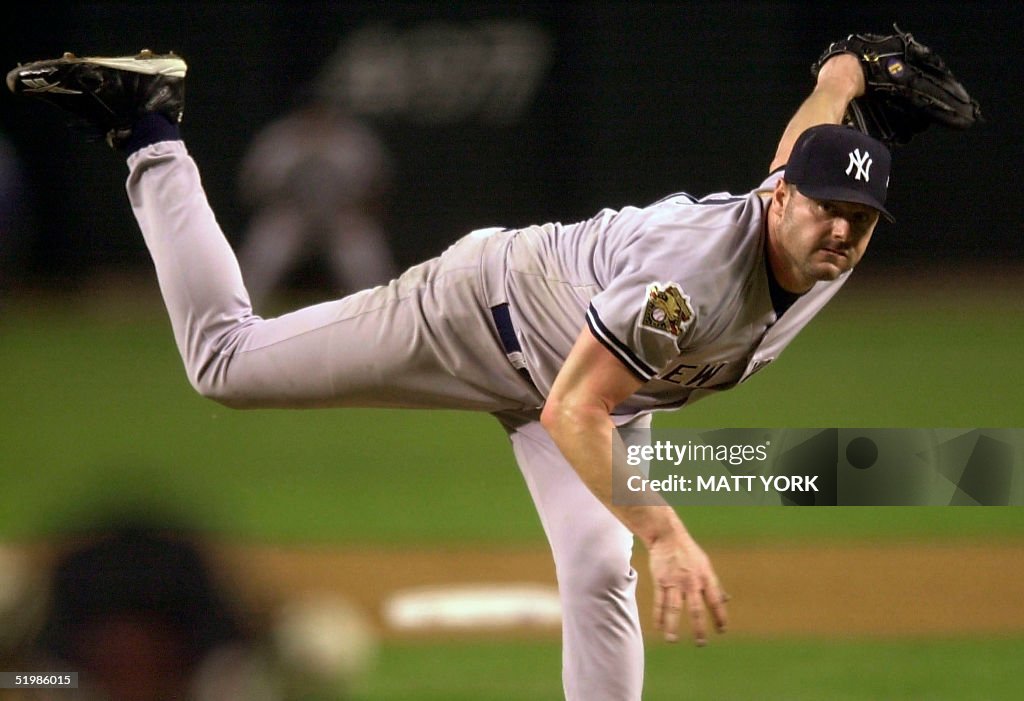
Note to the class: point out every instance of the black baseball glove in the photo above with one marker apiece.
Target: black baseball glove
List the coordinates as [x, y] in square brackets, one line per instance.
[909, 88]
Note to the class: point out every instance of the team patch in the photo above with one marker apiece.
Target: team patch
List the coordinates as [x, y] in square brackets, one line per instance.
[667, 309]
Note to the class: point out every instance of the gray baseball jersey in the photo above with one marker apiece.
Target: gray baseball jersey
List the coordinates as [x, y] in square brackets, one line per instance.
[679, 291]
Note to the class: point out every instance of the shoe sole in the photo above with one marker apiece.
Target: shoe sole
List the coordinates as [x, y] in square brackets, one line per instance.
[171, 66]
[146, 63]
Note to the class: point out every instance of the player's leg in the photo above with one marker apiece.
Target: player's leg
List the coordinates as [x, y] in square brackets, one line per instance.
[602, 644]
[424, 340]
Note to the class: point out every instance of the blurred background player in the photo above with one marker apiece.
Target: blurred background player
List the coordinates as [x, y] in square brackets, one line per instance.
[314, 182]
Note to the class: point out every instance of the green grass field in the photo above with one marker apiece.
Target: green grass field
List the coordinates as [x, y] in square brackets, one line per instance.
[782, 670]
[95, 409]
[96, 412]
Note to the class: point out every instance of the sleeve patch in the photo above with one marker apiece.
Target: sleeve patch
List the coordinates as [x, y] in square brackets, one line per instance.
[667, 309]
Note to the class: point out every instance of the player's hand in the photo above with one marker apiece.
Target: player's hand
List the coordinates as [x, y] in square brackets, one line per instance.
[685, 584]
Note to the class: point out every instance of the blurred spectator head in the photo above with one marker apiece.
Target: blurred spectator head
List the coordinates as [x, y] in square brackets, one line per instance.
[138, 612]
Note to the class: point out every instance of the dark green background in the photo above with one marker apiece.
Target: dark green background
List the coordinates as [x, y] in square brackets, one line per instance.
[94, 405]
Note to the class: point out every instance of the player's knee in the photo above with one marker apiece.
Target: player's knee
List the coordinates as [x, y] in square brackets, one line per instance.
[595, 574]
[214, 393]
[218, 390]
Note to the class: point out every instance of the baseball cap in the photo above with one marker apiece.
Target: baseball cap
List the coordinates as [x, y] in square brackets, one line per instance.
[836, 162]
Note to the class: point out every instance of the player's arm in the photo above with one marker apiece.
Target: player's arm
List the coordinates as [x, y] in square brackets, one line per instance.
[839, 81]
[577, 416]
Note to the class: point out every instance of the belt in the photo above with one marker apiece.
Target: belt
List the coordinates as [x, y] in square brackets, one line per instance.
[507, 335]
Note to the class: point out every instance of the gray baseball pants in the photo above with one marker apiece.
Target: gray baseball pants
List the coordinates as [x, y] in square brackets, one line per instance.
[426, 340]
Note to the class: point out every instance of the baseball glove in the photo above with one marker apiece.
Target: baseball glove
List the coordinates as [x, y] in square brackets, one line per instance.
[908, 88]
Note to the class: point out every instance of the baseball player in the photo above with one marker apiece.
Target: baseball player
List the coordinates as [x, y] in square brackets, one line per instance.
[562, 331]
[314, 182]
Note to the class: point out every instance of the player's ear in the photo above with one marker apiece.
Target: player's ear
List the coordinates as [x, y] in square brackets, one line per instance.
[781, 195]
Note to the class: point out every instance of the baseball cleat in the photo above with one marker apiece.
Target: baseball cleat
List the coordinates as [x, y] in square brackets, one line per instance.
[107, 94]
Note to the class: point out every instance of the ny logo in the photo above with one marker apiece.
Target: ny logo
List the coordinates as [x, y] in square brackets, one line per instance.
[862, 162]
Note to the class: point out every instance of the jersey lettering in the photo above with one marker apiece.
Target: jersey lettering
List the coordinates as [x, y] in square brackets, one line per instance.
[705, 374]
[676, 374]
[680, 374]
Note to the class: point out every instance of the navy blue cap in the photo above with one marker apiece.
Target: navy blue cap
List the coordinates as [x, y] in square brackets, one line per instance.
[835, 162]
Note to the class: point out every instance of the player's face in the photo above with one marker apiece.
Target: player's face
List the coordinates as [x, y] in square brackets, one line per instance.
[819, 239]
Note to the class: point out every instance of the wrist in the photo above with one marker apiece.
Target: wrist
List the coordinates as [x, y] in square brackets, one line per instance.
[843, 76]
[664, 527]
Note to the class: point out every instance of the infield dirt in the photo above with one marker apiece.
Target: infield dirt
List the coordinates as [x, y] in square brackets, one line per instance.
[795, 590]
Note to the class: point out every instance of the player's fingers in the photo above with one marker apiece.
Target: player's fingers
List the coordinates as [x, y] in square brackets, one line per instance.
[672, 606]
[659, 608]
[698, 619]
[716, 599]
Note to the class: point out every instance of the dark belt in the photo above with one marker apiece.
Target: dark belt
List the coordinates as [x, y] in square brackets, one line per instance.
[507, 335]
